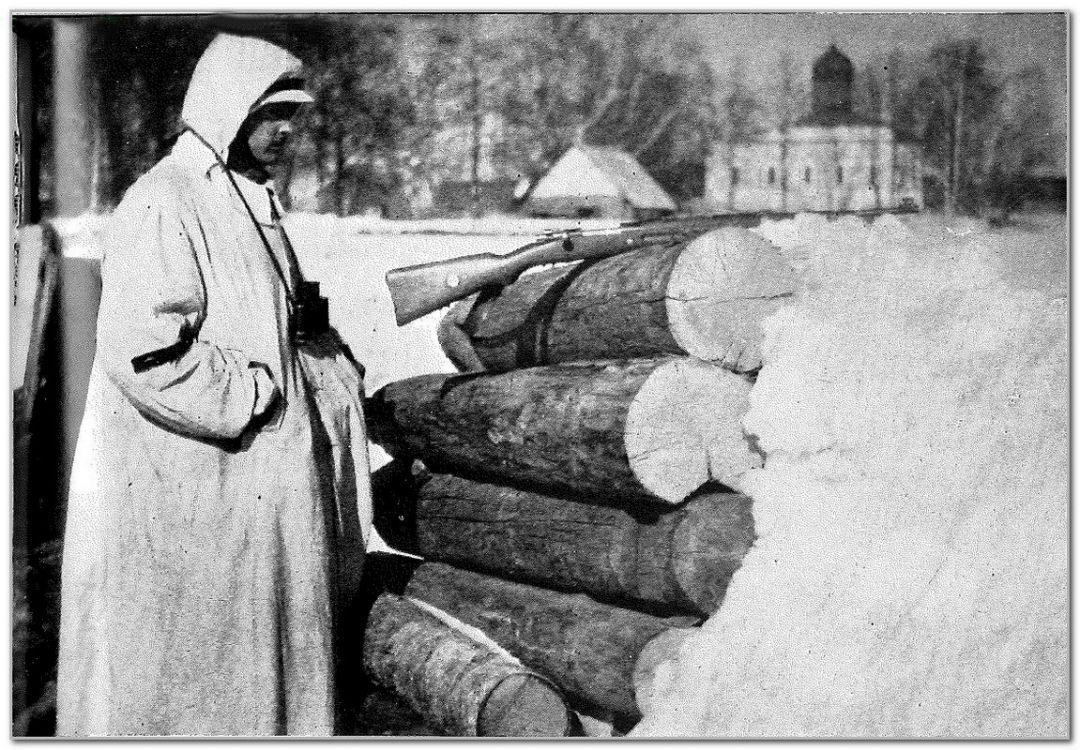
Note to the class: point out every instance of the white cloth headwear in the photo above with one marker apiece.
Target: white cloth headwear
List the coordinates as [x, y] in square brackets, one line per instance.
[229, 78]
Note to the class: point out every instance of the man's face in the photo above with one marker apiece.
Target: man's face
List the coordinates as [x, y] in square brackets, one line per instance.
[271, 130]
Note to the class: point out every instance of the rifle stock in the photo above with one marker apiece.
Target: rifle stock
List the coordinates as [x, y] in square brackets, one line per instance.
[424, 288]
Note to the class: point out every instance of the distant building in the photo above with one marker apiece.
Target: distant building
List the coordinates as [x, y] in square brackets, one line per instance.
[601, 182]
[1047, 188]
[455, 197]
[830, 160]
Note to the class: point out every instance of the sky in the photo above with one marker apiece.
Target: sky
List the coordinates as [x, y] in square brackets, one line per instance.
[757, 40]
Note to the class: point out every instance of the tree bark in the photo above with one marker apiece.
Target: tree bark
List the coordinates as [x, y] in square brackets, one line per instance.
[677, 561]
[460, 685]
[706, 298]
[588, 649]
[645, 429]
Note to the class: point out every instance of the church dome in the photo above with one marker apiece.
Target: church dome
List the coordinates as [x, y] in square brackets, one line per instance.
[831, 100]
[834, 64]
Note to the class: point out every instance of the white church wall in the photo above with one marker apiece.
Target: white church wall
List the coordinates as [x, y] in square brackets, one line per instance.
[842, 168]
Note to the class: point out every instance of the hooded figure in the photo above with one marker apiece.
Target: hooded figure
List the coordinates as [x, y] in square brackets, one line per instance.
[220, 500]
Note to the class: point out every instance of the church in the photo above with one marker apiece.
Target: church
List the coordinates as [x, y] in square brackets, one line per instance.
[832, 159]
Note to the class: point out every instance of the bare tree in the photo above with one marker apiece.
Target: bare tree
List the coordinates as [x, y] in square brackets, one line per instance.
[871, 105]
[1019, 140]
[608, 80]
[789, 105]
[740, 120]
[959, 96]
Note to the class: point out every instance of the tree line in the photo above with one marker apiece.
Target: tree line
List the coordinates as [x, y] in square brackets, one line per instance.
[405, 103]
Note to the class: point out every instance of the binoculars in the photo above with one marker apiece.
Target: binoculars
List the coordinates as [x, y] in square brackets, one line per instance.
[310, 313]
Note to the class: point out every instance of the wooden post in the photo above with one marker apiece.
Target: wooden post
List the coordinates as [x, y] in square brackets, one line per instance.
[588, 649]
[676, 561]
[460, 684]
[71, 116]
[648, 429]
[72, 177]
[706, 298]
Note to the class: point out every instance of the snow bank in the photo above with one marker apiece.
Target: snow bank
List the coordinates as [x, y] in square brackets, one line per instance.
[910, 575]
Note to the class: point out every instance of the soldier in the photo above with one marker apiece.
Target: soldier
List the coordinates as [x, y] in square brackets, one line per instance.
[221, 499]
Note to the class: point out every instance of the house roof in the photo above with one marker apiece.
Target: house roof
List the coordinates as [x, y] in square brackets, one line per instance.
[594, 171]
[636, 185]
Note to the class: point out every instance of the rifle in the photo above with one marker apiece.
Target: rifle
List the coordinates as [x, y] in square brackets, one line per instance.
[426, 287]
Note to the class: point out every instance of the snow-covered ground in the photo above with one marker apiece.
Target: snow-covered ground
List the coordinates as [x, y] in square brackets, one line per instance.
[910, 573]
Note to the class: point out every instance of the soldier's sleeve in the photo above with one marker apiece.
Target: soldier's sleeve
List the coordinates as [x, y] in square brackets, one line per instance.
[153, 303]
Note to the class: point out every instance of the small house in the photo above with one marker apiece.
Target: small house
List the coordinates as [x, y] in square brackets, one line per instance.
[598, 181]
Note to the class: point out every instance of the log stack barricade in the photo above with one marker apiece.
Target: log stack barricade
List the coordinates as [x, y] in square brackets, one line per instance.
[572, 501]
[461, 682]
[705, 298]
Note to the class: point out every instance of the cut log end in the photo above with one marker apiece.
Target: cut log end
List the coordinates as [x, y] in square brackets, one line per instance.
[523, 705]
[683, 429]
[722, 286]
[460, 684]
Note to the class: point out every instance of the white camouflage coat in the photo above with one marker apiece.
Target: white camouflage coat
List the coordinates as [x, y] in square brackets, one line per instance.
[220, 502]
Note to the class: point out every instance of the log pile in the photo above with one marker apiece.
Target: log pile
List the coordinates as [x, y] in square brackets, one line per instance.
[639, 429]
[571, 501]
[461, 684]
[677, 561]
[705, 298]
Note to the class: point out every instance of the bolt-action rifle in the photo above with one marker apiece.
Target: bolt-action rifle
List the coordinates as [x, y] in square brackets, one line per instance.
[421, 289]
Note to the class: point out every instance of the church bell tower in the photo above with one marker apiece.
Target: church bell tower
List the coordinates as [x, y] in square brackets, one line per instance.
[831, 99]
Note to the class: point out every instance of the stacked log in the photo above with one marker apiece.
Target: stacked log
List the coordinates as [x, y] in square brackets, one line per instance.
[679, 561]
[574, 504]
[705, 298]
[462, 684]
[641, 429]
[587, 648]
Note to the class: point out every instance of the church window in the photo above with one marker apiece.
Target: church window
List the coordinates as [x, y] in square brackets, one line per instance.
[873, 175]
[839, 174]
[806, 175]
[772, 176]
[734, 175]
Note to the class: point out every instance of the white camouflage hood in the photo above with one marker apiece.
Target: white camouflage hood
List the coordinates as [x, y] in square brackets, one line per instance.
[231, 75]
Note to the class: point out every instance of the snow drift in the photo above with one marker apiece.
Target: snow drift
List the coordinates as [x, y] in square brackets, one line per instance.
[910, 573]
